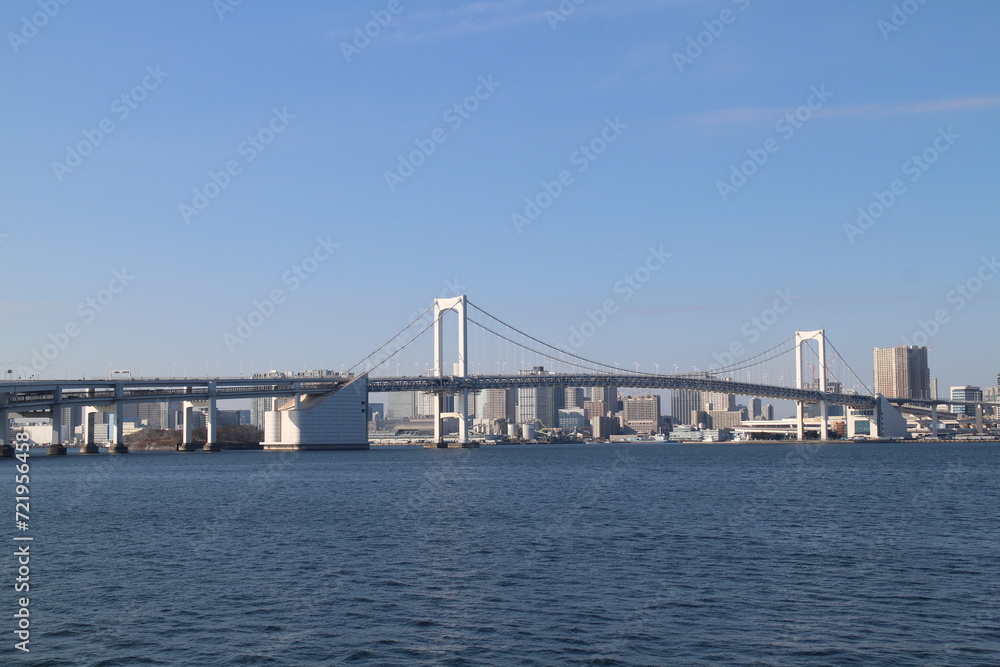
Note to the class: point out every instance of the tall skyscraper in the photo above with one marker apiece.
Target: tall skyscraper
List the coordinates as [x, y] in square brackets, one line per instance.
[497, 404]
[755, 408]
[538, 402]
[902, 372]
[607, 394]
[934, 388]
[573, 398]
[683, 402]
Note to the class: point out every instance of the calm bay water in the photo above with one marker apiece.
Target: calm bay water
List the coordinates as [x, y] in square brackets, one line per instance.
[845, 554]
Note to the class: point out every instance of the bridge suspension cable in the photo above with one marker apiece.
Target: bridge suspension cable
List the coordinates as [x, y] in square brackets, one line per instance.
[841, 357]
[397, 335]
[745, 364]
[593, 364]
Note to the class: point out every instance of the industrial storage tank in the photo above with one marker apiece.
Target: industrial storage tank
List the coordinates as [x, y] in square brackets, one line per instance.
[529, 431]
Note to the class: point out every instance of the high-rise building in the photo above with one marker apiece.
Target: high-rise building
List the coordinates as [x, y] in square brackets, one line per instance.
[154, 415]
[685, 402]
[767, 412]
[426, 401]
[595, 409]
[641, 414]
[682, 403]
[573, 398]
[991, 395]
[965, 393]
[934, 388]
[902, 372]
[607, 394]
[755, 408]
[538, 403]
[497, 404]
[714, 400]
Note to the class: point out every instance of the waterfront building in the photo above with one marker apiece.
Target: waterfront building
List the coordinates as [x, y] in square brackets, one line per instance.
[682, 403]
[965, 393]
[902, 372]
[603, 427]
[641, 414]
[724, 419]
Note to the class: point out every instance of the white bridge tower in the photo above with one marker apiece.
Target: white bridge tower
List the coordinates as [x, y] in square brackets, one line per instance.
[459, 304]
[801, 337]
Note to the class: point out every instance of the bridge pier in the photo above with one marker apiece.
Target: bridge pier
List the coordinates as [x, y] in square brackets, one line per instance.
[934, 421]
[979, 418]
[118, 441]
[88, 446]
[57, 448]
[800, 420]
[8, 447]
[57, 418]
[186, 444]
[212, 426]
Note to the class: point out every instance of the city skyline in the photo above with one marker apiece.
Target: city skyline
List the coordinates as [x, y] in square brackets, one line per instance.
[301, 251]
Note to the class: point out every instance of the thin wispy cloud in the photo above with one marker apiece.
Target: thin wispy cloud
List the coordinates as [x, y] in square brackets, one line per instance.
[854, 111]
[489, 15]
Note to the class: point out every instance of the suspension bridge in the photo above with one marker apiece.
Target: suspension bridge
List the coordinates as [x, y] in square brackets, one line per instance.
[323, 412]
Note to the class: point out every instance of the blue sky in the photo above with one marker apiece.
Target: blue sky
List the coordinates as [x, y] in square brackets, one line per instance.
[343, 121]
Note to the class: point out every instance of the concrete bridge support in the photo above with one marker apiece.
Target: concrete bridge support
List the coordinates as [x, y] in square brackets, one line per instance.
[186, 444]
[212, 427]
[88, 447]
[118, 439]
[57, 448]
[7, 449]
[934, 421]
[800, 420]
